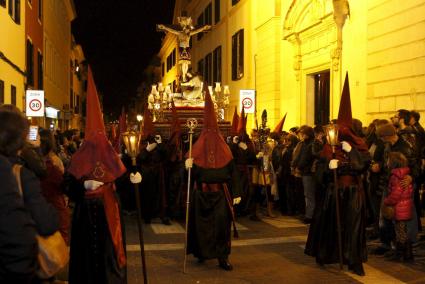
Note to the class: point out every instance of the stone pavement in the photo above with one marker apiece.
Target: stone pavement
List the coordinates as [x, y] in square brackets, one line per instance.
[270, 251]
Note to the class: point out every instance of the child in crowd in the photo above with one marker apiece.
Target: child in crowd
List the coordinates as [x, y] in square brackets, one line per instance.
[402, 200]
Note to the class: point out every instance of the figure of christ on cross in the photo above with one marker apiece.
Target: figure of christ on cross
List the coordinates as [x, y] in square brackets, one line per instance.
[184, 31]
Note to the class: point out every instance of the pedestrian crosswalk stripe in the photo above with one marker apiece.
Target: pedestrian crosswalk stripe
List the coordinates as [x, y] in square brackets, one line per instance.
[174, 228]
[235, 243]
[240, 227]
[283, 222]
[373, 276]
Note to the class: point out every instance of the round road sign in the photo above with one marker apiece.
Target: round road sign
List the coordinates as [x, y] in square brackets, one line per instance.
[35, 105]
[247, 103]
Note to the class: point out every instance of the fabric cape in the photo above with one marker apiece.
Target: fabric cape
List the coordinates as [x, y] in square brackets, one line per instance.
[96, 159]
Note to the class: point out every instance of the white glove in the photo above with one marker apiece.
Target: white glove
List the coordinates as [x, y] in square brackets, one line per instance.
[346, 146]
[188, 163]
[260, 155]
[92, 184]
[136, 178]
[237, 200]
[228, 139]
[333, 164]
[158, 139]
[235, 139]
[243, 145]
[150, 147]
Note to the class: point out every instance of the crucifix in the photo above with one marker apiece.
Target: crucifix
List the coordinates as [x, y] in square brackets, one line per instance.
[184, 31]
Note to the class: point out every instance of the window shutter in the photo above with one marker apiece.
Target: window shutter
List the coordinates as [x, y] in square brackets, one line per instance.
[13, 95]
[18, 11]
[1, 92]
[240, 54]
[216, 11]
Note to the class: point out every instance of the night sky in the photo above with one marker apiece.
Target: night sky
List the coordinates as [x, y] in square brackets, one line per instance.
[119, 39]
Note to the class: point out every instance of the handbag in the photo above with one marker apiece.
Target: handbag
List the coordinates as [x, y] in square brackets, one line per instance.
[387, 211]
[53, 253]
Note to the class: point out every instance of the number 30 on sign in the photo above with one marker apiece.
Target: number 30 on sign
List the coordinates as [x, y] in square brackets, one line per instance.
[34, 103]
[247, 99]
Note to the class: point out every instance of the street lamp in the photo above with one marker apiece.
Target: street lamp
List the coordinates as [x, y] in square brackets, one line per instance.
[332, 138]
[332, 135]
[131, 141]
[139, 118]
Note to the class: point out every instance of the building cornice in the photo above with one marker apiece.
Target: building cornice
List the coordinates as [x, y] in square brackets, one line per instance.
[13, 65]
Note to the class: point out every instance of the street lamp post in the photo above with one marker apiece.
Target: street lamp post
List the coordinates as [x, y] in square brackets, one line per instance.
[132, 140]
[332, 138]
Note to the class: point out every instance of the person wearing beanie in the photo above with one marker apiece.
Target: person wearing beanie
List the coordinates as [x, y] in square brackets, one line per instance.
[393, 143]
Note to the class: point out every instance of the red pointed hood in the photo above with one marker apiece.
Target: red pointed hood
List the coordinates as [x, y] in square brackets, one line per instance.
[210, 151]
[345, 124]
[123, 121]
[235, 122]
[344, 114]
[122, 127]
[113, 133]
[242, 122]
[96, 158]
[279, 126]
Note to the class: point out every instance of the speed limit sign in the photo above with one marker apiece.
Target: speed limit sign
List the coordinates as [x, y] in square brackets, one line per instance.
[247, 100]
[35, 103]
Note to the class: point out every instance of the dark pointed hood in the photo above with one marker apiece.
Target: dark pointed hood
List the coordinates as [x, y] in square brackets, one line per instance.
[210, 150]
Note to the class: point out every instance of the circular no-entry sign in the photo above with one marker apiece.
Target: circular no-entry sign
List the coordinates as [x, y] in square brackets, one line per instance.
[35, 105]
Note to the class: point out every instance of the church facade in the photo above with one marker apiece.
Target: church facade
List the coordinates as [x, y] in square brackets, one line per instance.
[295, 54]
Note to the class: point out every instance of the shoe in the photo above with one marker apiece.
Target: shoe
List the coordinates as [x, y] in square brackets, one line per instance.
[225, 264]
[358, 269]
[254, 218]
[307, 220]
[166, 221]
[201, 260]
[408, 253]
[380, 250]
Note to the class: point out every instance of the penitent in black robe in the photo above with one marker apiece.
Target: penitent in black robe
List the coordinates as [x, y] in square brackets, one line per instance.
[322, 241]
[92, 256]
[209, 233]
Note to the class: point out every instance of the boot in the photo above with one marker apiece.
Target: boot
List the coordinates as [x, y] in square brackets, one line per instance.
[270, 210]
[225, 264]
[408, 252]
[398, 253]
[254, 215]
[358, 269]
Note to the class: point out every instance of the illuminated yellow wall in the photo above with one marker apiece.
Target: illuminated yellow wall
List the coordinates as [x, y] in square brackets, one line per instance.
[57, 51]
[12, 45]
[395, 57]
[288, 41]
[77, 56]
[168, 44]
